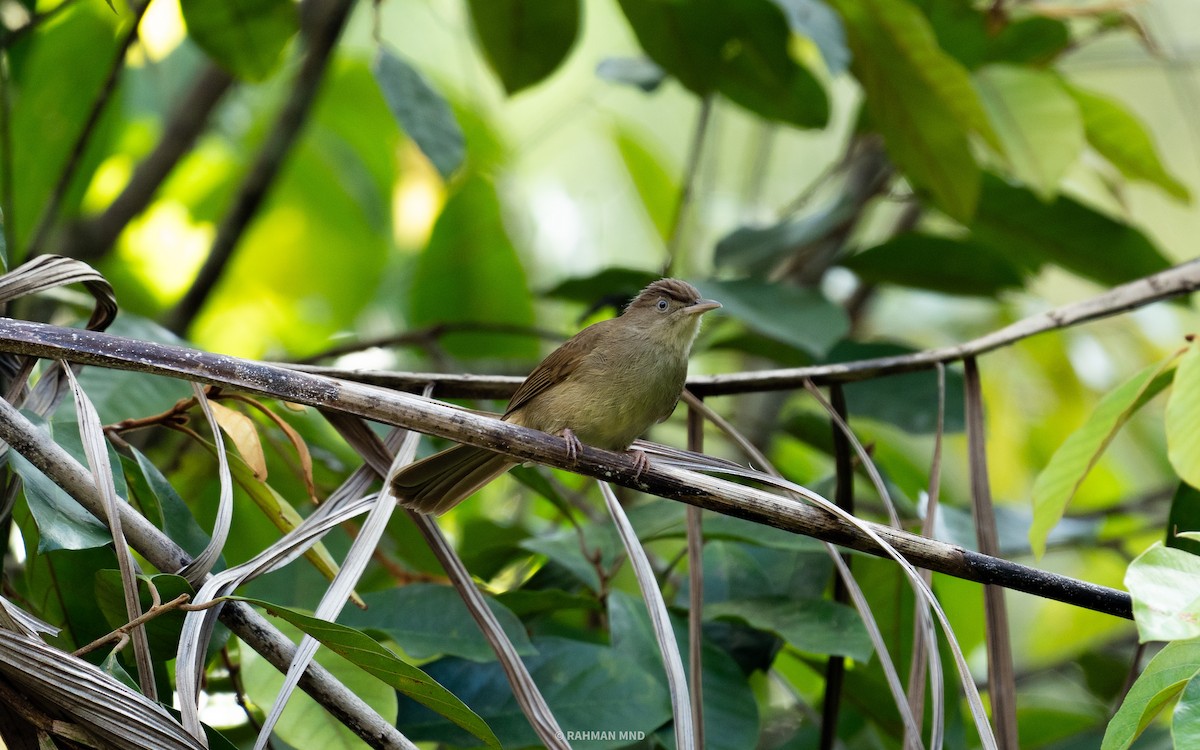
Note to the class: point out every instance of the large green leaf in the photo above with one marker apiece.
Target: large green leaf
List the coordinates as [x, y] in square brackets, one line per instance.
[1065, 233]
[1164, 679]
[428, 620]
[801, 317]
[1121, 138]
[62, 522]
[1185, 724]
[1038, 122]
[816, 21]
[365, 653]
[470, 273]
[731, 720]
[1183, 416]
[421, 111]
[919, 98]
[939, 264]
[1165, 585]
[246, 37]
[524, 40]
[1070, 464]
[162, 631]
[590, 689]
[908, 400]
[737, 47]
[816, 626]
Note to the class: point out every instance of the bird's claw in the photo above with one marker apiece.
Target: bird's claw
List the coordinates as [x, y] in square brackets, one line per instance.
[573, 445]
[641, 462]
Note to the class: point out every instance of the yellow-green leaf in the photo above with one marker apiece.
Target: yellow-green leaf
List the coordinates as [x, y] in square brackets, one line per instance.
[1183, 419]
[1038, 122]
[1070, 464]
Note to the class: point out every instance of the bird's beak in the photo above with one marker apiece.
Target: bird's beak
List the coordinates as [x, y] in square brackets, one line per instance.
[702, 306]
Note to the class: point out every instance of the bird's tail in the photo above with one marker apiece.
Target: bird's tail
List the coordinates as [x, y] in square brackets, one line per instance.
[438, 483]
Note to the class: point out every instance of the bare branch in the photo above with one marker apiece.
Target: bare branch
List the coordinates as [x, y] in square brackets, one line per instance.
[436, 418]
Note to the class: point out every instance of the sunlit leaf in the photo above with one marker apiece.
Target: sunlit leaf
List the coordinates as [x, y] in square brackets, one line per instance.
[1166, 599]
[1038, 122]
[1070, 464]
[1162, 681]
[1183, 415]
[1185, 724]
[244, 434]
[246, 37]
[525, 40]
[1121, 138]
[654, 183]
[422, 113]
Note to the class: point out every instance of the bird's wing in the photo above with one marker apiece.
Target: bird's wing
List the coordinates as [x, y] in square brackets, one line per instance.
[555, 368]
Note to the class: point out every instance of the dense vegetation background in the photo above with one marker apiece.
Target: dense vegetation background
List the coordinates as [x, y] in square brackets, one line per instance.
[455, 187]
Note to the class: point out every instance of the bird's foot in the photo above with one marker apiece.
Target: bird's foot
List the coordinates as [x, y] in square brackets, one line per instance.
[641, 462]
[573, 444]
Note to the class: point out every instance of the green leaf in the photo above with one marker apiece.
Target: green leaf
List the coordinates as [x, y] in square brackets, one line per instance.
[421, 111]
[1184, 518]
[1183, 413]
[246, 37]
[1039, 124]
[428, 620]
[737, 47]
[1066, 233]
[612, 285]
[150, 489]
[589, 687]
[801, 317]
[731, 718]
[524, 40]
[939, 264]
[1070, 464]
[61, 521]
[908, 400]
[365, 653]
[1185, 724]
[919, 98]
[1034, 40]
[816, 626]
[654, 183]
[470, 272]
[1165, 677]
[1121, 138]
[1165, 585]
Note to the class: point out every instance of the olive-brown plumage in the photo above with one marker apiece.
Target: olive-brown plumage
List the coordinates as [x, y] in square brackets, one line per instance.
[605, 387]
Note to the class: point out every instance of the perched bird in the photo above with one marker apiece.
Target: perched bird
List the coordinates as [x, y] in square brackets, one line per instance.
[605, 387]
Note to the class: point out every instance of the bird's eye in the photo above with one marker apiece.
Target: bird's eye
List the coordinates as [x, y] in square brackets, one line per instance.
[662, 305]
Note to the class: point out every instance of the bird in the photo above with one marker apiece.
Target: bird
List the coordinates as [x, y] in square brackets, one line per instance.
[604, 387]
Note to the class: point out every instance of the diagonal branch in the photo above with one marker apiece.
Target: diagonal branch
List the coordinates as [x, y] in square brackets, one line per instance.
[436, 418]
[92, 238]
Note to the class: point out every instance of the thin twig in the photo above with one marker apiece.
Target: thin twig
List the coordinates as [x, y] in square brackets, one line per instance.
[322, 34]
[695, 557]
[835, 667]
[154, 611]
[431, 334]
[67, 175]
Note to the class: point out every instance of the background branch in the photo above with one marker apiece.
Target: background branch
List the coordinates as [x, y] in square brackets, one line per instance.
[325, 22]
